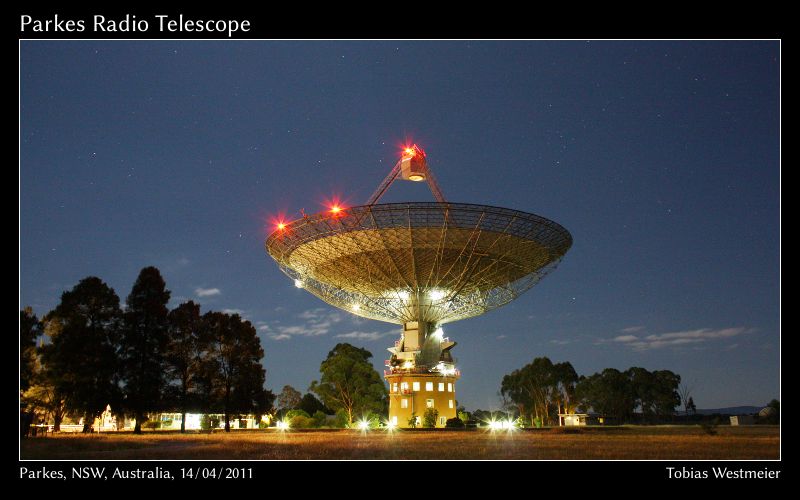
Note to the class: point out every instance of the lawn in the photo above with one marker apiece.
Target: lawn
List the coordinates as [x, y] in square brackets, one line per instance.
[627, 442]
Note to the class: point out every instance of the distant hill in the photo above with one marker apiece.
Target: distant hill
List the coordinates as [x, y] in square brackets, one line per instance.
[732, 410]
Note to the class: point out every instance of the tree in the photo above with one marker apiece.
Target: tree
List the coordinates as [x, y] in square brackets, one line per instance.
[775, 417]
[289, 398]
[690, 406]
[685, 391]
[350, 382]
[43, 398]
[665, 393]
[541, 389]
[412, 422]
[775, 404]
[429, 417]
[143, 344]
[311, 405]
[29, 330]
[564, 379]
[231, 365]
[183, 353]
[44, 395]
[643, 385]
[81, 360]
[655, 392]
[608, 392]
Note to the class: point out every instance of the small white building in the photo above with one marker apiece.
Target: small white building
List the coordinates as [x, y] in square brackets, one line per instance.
[743, 420]
[573, 419]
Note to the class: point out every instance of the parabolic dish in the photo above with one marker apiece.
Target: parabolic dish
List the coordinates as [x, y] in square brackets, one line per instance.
[433, 262]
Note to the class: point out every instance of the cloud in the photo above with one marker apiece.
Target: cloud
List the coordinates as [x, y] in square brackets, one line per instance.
[183, 261]
[561, 341]
[632, 329]
[305, 330]
[233, 311]
[318, 321]
[320, 314]
[207, 292]
[682, 338]
[501, 337]
[368, 336]
[731, 347]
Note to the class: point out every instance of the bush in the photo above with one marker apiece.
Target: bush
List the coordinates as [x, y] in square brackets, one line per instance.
[341, 419]
[537, 422]
[301, 422]
[262, 424]
[294, 413]
[412, 422]
[320, 418]
[454, 423]
[429, 418]
[151, 424]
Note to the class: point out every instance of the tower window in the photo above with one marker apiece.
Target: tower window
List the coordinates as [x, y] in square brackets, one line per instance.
[429, 386]
[415, 386]
[404, 403]
[449, 387]
[441, 386]
[450, 403]
[428, 403]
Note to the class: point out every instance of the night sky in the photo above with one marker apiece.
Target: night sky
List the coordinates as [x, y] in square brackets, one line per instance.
[660, 158]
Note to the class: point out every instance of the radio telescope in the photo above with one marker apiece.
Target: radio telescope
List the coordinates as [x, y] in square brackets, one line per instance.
[419, 265]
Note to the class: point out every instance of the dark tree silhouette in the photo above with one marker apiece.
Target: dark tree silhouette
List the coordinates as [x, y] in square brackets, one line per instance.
[350, 382]
[183, 353]
[608, 392]
[691, 408]
[143, 344]
[231, 365]
[29, 330]
[656, 392]
[311, 405]
[81, 360]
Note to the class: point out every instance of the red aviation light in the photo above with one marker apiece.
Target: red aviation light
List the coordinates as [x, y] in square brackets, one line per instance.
[413, 151]
[334, 205]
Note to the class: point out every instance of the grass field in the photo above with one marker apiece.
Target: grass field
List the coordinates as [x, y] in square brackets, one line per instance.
[628, 442]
